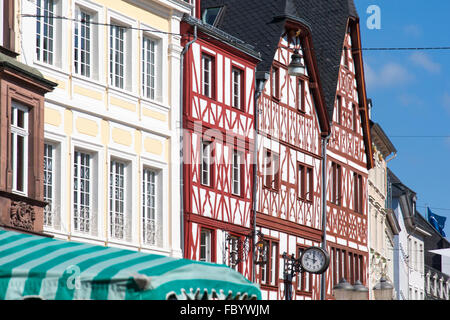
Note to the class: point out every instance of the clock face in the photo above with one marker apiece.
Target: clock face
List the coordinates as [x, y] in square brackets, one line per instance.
[315, 260]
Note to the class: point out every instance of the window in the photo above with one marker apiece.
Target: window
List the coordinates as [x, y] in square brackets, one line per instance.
[235, 253]
[117, 199]
[205, 245]
[3, 24]
[360, 191]
[336, 183]
[82, 43]
[237, 173]
[212, 15]
[355, 118]
[301, 95]
[338, 110]
[45, 30]
[150, 223]
[117, 56]
[237, 88]
[415, 254]
[305, 182]
[269, 270]
[271, 174]
[275, 79]
[355, 267]
[346, 265]
[346, 56]
[208, 76]
[304, 279]
[357, 193]
[82, 192]
[149, 67]
[19, 147]
[49, 184]
[206, 157]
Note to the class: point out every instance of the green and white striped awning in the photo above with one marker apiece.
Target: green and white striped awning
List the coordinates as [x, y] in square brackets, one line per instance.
[34, 266]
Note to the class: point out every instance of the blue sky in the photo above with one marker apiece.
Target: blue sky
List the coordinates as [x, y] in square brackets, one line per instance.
[411, 93]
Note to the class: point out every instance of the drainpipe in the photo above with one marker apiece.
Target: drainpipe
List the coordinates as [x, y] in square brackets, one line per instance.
[185, 49]
[391, 158]
[324, 209]
[259, 86]
[260, 80]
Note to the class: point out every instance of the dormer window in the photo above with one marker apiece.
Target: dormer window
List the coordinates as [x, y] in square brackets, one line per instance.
[212, 15]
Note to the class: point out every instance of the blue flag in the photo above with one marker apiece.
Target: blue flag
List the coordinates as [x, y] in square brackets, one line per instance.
[436, 221]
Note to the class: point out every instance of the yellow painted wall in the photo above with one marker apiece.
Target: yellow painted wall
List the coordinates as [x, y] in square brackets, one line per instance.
[132, 11]
[102, 131]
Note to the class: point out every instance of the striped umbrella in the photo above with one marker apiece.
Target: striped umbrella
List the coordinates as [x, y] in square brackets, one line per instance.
[40, 267]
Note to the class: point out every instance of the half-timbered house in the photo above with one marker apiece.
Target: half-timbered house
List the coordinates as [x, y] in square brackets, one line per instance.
[291, 122]
[218, 142]
[349, 150]
[292, 125]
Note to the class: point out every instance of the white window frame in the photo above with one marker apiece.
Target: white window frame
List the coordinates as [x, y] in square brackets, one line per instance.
[131, 205]
[3, 21]
[50, 178]
[149, 67]
[205, 164]
[129, 46]
[83, 38]
[17, 132]
[158, 224]
[237, 76]
[207, 75]
[236, 173]
[81, 194]
[161, 64]
[96, 41]
[96, 187]
[117, 65]
[162, 200]
[41, 38]
[114, 211]
[58, 142]
[207, 245]
[57, 40]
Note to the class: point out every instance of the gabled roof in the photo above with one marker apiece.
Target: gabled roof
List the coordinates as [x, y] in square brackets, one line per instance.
[406, 200]
[260, 23]
[254, 22]
[217, 34]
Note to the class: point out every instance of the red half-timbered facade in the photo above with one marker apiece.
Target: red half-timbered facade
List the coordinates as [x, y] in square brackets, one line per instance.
[296, 118]
[218, 122]
[292, 121]
[348, 161]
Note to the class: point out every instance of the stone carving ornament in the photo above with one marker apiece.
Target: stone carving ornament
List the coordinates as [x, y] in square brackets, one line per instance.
[22, 215]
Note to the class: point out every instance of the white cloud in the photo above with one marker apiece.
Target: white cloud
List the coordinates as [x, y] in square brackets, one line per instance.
[390, 74]
[424, 61]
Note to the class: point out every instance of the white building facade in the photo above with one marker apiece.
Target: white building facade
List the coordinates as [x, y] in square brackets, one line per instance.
[409, 268]
[383, 223]
[111, 162]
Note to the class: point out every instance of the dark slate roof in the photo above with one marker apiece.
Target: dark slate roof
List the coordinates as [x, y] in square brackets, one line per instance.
[398, 188]
[260, 23]
[222, 36]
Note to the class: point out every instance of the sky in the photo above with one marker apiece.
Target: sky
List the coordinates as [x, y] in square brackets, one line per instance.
[410, 90]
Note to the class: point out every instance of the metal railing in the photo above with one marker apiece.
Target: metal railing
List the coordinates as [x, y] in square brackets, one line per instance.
[437, 284]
